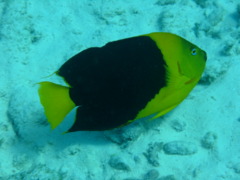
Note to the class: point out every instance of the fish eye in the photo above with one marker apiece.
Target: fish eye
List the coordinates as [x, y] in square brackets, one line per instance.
[194, 51]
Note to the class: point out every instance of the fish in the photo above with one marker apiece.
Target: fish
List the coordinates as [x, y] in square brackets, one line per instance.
[124, 80]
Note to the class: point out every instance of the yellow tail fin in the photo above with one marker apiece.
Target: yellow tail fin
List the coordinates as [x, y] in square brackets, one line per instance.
[56, 102]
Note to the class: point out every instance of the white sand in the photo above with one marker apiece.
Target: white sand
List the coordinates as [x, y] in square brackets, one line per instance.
[36, 37]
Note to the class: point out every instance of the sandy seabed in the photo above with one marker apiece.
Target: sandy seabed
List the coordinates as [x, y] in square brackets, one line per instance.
[198, 140]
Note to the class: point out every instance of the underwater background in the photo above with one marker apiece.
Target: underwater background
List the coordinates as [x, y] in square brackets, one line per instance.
[198, 140]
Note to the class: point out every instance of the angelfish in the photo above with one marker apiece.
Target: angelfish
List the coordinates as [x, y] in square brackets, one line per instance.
[123, 81]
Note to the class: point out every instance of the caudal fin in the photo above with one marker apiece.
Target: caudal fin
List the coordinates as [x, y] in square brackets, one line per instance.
[56, 102]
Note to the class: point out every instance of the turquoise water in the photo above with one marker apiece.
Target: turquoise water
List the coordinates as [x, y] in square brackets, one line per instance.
[198, 140]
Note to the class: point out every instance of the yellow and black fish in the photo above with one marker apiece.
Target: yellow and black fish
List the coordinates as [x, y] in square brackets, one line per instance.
[123, 81]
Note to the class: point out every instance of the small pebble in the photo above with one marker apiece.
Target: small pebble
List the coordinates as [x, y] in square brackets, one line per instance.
[124, 136]
[179, 148]
[152, 153]
[151, 175]
[209, 140]
[178, 125]
[165, 2]
[169, 177]
[116, 163]
[236, 168]
[201, 3]
[238, 119]
[238, 9]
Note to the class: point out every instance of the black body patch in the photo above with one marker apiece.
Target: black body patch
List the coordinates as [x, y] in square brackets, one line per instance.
[113, 83]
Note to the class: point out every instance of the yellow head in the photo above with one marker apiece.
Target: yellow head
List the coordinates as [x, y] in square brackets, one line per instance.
[185, 63]
[181, 56]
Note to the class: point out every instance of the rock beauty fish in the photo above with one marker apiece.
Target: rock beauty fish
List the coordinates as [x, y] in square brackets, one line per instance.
[124, 80]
